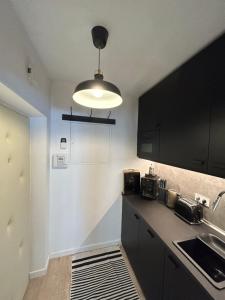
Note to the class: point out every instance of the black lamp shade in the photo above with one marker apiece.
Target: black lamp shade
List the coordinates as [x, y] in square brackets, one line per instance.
[97, 93]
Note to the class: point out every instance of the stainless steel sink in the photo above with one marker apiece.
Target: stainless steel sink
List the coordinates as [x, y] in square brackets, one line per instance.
[213, 242]
[207, 253]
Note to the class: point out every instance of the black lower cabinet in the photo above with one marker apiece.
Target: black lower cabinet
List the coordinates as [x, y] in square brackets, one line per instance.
[151, 257]
[129, 236]
[145, 252]
[160, 274]
[178, 284]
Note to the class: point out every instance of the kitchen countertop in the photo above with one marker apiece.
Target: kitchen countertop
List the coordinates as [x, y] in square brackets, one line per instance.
[171, 228]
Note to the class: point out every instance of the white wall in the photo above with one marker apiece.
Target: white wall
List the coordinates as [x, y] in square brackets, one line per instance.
[39, 195]
[85, 207]
[16, 52]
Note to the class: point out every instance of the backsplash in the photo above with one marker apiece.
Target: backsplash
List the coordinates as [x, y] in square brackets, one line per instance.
[188, 183]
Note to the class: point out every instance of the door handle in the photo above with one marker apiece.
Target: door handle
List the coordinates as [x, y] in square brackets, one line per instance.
[173, 261]
[136, 216]
[150, 233]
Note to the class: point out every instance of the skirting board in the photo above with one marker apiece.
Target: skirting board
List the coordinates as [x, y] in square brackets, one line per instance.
[84, 248]
[43, 271]
[40, 272]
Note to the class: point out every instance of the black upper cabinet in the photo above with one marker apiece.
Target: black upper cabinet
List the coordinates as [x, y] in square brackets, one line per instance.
[216, 90]
[148, 144]
[148, 127]
[183, 116]
[217, 139]
[149, 110]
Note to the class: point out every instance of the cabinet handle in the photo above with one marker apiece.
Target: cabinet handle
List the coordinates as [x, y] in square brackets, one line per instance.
[150, 233]
[136, 216]
[199, 162]
[173, 261]
[218, 167]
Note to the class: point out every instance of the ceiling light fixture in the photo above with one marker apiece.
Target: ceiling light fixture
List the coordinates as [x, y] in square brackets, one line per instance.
[98, 93]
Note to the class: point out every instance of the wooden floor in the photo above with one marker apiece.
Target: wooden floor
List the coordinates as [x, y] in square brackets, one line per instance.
[55, 285]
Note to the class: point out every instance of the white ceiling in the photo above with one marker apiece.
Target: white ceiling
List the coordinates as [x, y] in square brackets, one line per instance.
[147, 38]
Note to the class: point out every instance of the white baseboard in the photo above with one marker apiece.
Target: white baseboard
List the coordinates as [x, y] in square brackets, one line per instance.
[90, 247]
[71, 251]
[40, 272]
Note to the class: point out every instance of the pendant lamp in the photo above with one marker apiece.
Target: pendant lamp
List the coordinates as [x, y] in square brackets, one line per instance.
[98, 93]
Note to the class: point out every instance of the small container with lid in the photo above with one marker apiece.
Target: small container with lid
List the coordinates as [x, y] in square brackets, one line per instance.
[171, 198]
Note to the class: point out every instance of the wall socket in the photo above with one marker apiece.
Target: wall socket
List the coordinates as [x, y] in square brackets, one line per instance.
[202, 199]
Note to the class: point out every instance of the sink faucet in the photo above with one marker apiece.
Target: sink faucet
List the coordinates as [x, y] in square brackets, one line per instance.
[217, 200]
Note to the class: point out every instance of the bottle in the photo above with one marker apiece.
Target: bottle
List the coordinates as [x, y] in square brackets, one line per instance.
[151, 170]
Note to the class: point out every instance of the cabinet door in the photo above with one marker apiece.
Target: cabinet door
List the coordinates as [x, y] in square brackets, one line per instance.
[184, 130]
[129, 236]
[217, 139]
[148, 110]
[178, 284]
[216, 91]
[151, 253]
[148, 126]
[148, 145]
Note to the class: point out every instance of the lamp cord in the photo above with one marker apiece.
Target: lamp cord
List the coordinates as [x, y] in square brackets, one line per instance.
[99, 57]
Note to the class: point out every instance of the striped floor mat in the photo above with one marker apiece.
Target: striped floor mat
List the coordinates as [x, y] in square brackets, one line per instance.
[103, 276]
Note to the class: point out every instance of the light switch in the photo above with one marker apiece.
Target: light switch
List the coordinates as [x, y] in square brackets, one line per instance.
[59, 161]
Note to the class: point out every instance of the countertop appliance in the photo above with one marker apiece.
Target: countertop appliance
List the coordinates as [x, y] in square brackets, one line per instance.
[150, 186]
[131, 182]
[189, 210]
